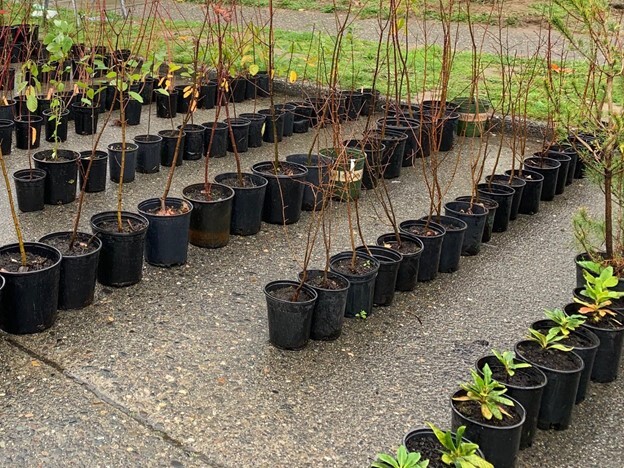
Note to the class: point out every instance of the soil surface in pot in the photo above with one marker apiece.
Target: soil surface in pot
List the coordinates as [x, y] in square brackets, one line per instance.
[128, 226]
[324, 283]
[551, 358]
[521, 378]
[290, 294]
[282, 169]
[362, 266]
[426, 231]
[542, 163]
[59, 157]
[169, 210]
[574, 339]
[447, 225]
[234, 182]
[404, 247]
[11, 262]
[429, 449]
[82, 245]
[472, 410]
[200, 194]
[608, 322]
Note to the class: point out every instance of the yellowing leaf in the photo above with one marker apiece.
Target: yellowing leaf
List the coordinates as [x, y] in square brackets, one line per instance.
[225, 85]
[253, 69]
[33, 133]
[292, 76]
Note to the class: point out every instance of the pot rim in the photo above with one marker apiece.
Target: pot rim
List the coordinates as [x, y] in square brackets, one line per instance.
[149, 137]
[256, 168]
[520, 181]
[329, 272]
[551, 167]
[113, 214]
[462, 227]
[39, 153]
[517, 405]
[28, 118]
[440, 229]
[263, 180]
[485, 209]
[398, 256]
[130, 147]
[493, 203]
[42, 174]
[593, 338]
[410, 237]
[92, 237]
[339, 256]
[540, 177]
[426, 430]
[506, 189]
[228, 190]
[550, 369]
[26, 245]
[536, 369]
[267, 287]
[141, 207]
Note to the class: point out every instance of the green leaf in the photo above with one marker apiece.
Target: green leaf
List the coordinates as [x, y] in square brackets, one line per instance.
[31, 103]
[136, 96]
[162, 91]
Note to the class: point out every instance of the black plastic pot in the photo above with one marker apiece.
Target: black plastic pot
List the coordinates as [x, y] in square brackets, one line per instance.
[30, 189]
[328, 315]
[452, 242]
[407, 276]
[529, 396]
[289, 117]
[430, 257]
[372, 169]
[147, 90]
[361, 287]
[354, 103]
[215, 139]
[549, 169]
[274, 125]
[392, 156]
[317, 179]
[238, 89]
[167, 105]
[211, 216]
[248, 202]
[532, 192]
[207, 95]
[500, 444]
[238, 134]
[562, 175]
[7, 111]
[515, 183]
[62, 175]
[6, 136]
[369, 101]
[560, 391]
[262, 83]
[117, 157]
[85, 119]
[290, 322]
[474, 215]
[444, 129]
[193, 142]
[29, 299]
[96, 182]
[183, 101]
[284, 194]
[78, 271]
[256, 126]
[28, 131]
[132, 110]
[303, 116]
[491, 206]
[121, 258]
[412, 130]
[503, 195]
[166, 241]
[148, 153]
[586, 353]
[53, 131]
[568, 150]
[168, 147]
[389, 263]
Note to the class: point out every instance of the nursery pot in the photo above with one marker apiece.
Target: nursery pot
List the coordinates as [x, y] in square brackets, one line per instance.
[211, 215]
[452, 242]
[207, 95]
[85, 119]
[248, 201]
[62, 175]
[561, 387]
[568, 150]
[362, 281]
[445, 127]
[118, 157]
[274, 125]
[289, 117]
[532, 191]
[167, 106]
[284, 193]
[169, 145]
[96, 182]
[515, 183]
[425, 442]
[6, 136]
[411, 248]
[372, 168]
[562, 175]
[526, 387]
[474, 215]
[51, 125]
[432, 236]
[549, 169]
[29, 299]
[256, 126]
[7, 111]
[317, 179]
[167, 237]
[78, 268]
[474, 115]
[238, 89]
[148, 153]
[238, 134]
[329, 310]
[411, 129]
[193, 141]
[491, 206]
[500, 444]
[346, 173]
[289, 321]
[121, 258]
[353, 103]
[585, 345]
[303, 116]
[30, 189]
[132, 110]
[215, 139]
[183, 101]
[503, 195]
[370, 97]
[394, 148]
[389, 263]
[28, 131]
[147, 90]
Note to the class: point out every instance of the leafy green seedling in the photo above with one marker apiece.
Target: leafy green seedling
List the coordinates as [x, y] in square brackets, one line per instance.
[488, 393]
[508, 359]
[565, 323]
[403, 459]
[458, 453]
[549, 340]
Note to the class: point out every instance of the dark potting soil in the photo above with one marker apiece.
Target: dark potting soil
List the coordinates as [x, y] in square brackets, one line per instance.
[169, 210]
[447, 225]
[362, 266]
[200, 194]
[234, 182]
[404, 247]
[324, 283]
[12, 263]
[542, 163]
[290, 294]
[521, 378]
[128, 226]
[282, 169]
[49, 156]
[608, 322]
[82, 245]
[429, 449]
[574, 339]
[551, 358]
[426, 231]
[472, 410]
